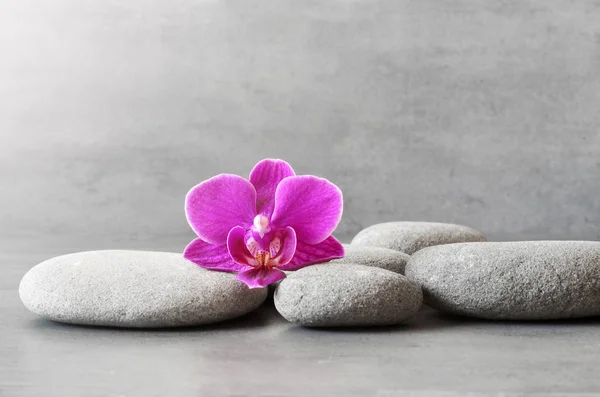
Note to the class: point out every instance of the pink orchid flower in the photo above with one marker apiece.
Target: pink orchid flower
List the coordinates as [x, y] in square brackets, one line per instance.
[256, 228]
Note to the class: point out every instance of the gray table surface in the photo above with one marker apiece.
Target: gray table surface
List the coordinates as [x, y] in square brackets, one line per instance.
[263, 355]
[483, 113]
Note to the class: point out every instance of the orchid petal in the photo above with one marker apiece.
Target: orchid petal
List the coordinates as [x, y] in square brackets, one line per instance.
[260, 277]
[237, 247]
[288, 247]
[311, 254]
[265, 176]
[312, 206]
[218, 204]
[208, 256]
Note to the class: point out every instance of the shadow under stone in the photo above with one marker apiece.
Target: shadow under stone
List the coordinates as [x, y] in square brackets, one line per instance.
[260, 317]
[426, 319]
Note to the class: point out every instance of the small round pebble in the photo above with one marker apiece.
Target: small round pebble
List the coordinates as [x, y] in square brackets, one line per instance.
[134, 289]
[384, 258]
[347, 295]
[409, 237]
[527, 280]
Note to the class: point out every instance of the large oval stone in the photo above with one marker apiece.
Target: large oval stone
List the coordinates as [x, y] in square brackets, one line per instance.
[409, 237]
[384, 258]
[338, 295]
[134, 289]
[530, 280]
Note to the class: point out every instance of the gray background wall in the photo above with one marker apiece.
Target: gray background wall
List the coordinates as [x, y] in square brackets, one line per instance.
[480, 113]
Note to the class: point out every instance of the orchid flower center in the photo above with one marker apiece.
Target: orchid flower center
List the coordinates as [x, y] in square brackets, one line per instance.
[261, 225]
[264, 242]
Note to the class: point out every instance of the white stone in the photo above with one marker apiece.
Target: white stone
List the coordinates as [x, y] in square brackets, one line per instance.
[384, 258]
[409, 237]
[134, 289]
[526, 280]
[343, 295]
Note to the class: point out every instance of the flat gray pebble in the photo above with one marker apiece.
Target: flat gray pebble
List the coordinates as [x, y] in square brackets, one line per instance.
[134, 289]
[384, 258]
[409, 237]
[345, 295]
[528, 280]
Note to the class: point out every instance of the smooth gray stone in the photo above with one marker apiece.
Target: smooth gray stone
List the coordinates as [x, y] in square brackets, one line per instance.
[528, 280]
[134, 289]
[342, 295]
[409, 237]
[384, 258]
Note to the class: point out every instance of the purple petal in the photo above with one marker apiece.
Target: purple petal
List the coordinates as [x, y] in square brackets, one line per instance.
[237, 247]
[265, 176]
[208, 256]
[218, 204]
[312, 206]
[260, 277]
[288, 247]
[311, 254]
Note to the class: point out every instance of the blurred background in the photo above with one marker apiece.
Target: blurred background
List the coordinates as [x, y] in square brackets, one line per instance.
[480, 113]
